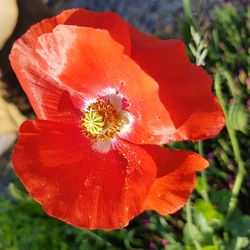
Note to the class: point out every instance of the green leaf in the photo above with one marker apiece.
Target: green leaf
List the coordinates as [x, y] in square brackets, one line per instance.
[202, 224]
[174, 246]
[199, 185]
[221, 199]
[201, 46]
[195, 35]
[16, 193]
[212, 216]
[206, 230]
[208, 248]
[238, 224]
[187, 9]
[239, 117]
[216, 38]
[240, 243]
[193, 50]
[201, 60]
[191, 232]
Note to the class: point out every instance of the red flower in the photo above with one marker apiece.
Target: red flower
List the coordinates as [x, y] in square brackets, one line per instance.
[104, 93]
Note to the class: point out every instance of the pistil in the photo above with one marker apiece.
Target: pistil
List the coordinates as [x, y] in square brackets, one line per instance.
[93, 122]
[101, 121]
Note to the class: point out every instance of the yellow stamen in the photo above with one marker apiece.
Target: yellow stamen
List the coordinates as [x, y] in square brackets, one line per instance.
[93, 122]
[101, 121]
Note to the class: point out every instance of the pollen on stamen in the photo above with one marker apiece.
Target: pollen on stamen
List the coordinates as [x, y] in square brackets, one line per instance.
[93, 122]
[102, 120]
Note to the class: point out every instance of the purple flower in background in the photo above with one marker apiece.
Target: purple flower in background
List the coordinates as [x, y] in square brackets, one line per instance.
[164, 242]
[229, 181]
[248, 81]
[152, 246]
[145, 221]
[210, 156]
[248, 183]
[232, 101]
[248, 104]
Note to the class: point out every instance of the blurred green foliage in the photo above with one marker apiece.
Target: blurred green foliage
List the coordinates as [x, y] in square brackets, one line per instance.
[24, 225]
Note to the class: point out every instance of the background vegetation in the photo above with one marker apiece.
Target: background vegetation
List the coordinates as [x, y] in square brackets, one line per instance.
[217, 215]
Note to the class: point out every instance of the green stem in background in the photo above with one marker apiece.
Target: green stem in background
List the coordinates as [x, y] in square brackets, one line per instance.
[96, 237]
[203, 175]
[225, 146]
[236, 149]
[190, 224]
[178, 224]
[188, 10]
[230, 83]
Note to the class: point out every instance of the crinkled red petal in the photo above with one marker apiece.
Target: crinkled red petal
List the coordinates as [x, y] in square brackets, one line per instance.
[78, 185]
[44, 93]
[49, 99]
[110, 21]
[185, 89]
[175, 178]
[75, 57]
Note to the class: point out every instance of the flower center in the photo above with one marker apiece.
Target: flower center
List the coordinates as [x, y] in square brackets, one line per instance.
[101, 121]
[93, 122]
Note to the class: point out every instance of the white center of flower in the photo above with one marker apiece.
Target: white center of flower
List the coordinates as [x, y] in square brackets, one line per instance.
[104, 118]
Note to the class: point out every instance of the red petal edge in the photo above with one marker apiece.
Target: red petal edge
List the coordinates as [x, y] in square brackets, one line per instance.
[175, 178]
[59, 168]
[185, 89]
[44, 93]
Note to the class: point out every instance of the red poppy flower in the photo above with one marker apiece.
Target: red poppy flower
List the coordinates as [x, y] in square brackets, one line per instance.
[104, 93]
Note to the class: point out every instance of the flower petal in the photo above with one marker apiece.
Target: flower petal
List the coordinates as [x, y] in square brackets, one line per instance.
[175, 178]
[46, 96]
[78, 185]
[44, 93]
[185, 89]
[170, 193]
[116, 26]
[75, 57]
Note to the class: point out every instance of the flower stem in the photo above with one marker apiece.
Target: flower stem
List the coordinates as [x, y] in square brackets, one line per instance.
[96, 237]
[190, 224]
[236, 149]
[203, 175]
[178, 224]
[230, 83]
